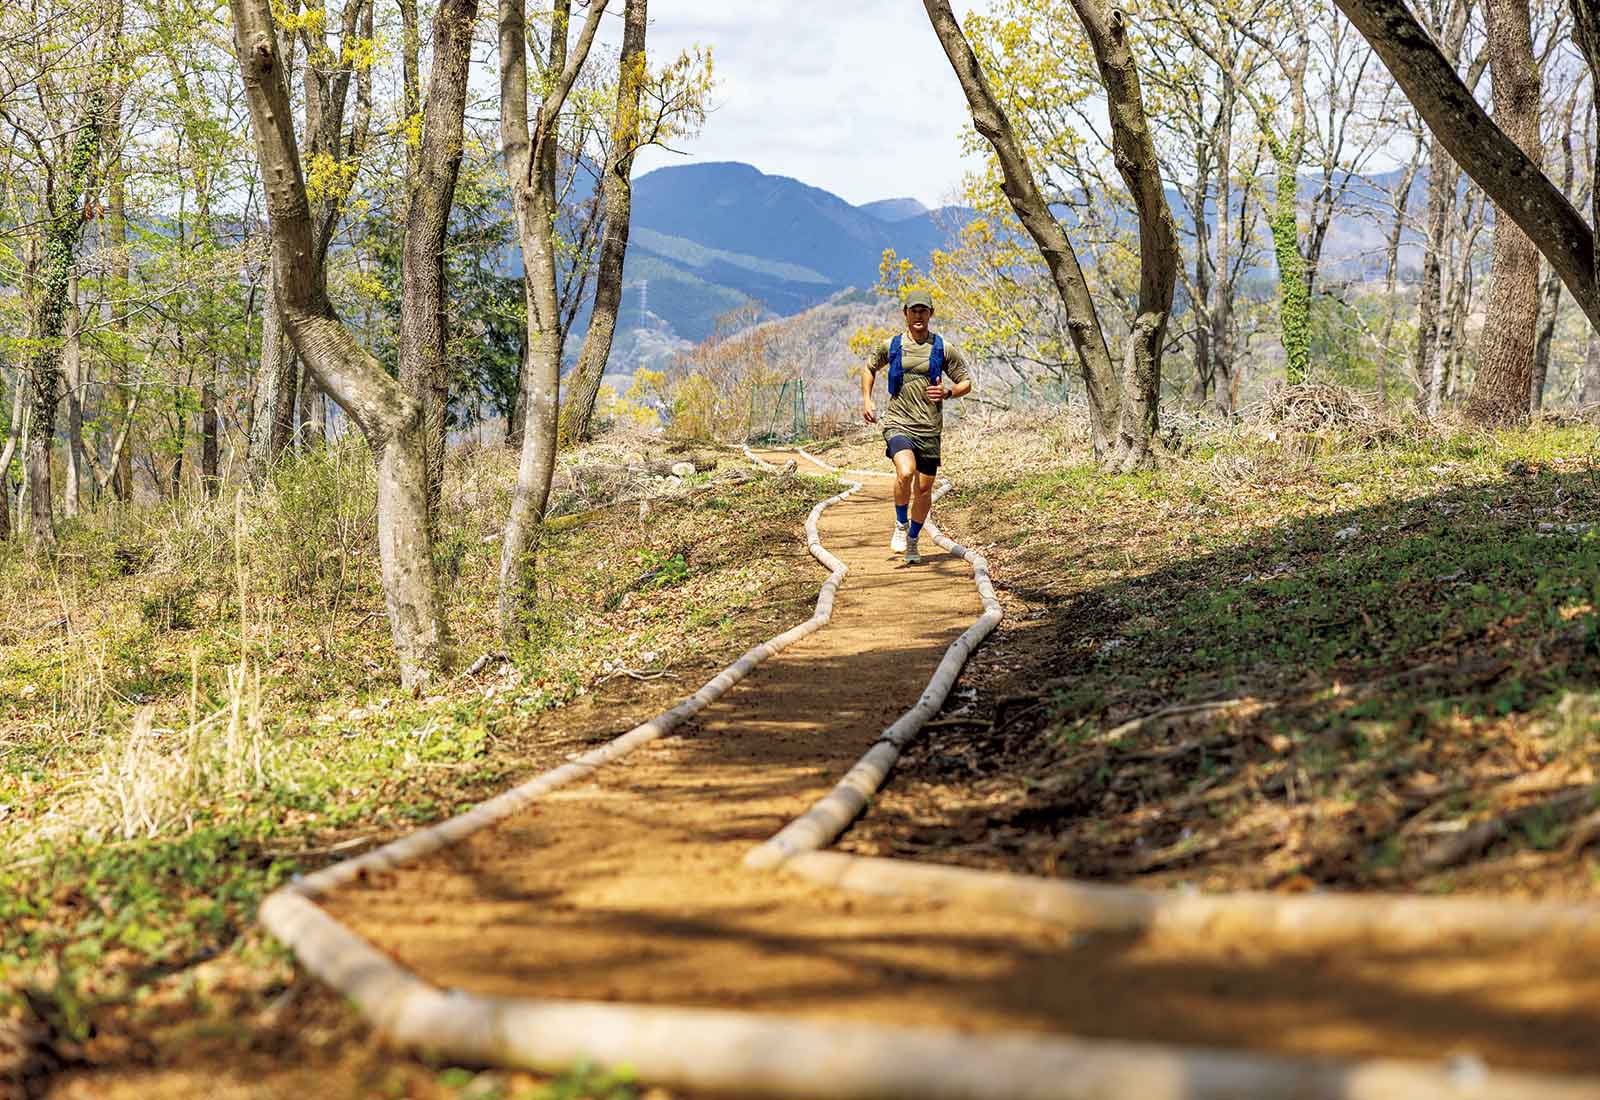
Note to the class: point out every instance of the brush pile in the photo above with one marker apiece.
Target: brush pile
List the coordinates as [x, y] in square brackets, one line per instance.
[1311, 408]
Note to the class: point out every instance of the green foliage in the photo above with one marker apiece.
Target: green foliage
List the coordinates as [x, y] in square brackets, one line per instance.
[588, 1082]
[1420, 607]
[170, 606]
[1338, 342]
[662, 569]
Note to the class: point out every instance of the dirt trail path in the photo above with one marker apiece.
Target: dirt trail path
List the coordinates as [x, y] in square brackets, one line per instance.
[630, 888]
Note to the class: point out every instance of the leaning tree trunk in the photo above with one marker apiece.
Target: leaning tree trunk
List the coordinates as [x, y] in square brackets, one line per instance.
[1505, 357]
[531, 163]
[436, 163]
[61, 242]
[1493, 159]
[616, 199]
[1083, 322]
[387, 416]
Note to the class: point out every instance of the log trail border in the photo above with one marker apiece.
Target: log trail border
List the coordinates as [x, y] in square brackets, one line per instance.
[751, 1055]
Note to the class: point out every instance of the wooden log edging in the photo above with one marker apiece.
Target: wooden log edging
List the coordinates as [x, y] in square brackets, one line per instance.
[424, 842]
[832, 814]
[1398, 922]
[775, 1056]
[751, 1054]
[1310, 921]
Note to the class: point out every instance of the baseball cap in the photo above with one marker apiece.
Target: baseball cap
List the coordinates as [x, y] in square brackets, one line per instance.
[918, 298]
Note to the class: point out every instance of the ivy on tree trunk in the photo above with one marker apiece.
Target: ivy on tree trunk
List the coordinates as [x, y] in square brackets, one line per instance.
[62, 233]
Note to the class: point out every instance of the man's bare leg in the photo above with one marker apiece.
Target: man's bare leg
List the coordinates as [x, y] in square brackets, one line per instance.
[922, 501]
[905, 474]
[921, 505]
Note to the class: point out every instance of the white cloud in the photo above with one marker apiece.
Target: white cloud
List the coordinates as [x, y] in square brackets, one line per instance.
[855, 97]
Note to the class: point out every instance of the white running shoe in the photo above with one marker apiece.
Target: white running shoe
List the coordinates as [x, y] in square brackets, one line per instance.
[897, 542]
[912, 556]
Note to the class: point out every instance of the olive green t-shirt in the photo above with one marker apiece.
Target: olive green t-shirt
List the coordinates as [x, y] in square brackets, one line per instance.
[911, 414]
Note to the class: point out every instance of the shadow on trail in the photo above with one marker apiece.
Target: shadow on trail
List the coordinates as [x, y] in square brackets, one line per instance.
[629, 888]
[1393, 1004]
[1390, 661]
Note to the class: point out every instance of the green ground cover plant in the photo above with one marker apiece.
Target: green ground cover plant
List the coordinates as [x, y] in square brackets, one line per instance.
[1283, 658]
[198, 701]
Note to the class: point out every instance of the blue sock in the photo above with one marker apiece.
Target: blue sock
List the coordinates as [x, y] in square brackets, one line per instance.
[902, 513]
[916, 529]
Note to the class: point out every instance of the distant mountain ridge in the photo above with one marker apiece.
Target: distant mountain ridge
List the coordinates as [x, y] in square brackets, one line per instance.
[708, 238]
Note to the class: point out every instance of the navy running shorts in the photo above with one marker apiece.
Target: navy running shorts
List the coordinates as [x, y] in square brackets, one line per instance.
[927, 464]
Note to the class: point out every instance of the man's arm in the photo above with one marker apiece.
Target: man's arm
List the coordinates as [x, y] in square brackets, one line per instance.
[955, 367]
[869, 411]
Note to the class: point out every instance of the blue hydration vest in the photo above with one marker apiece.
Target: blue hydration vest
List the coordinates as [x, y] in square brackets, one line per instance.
[897, 372]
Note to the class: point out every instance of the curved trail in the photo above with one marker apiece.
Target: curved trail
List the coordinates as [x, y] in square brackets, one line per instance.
[630, 886]
[627, 886]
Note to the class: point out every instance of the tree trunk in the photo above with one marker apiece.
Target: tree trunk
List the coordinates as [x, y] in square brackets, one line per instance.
[1493, 158]
[517, 419]
[531, 163]
[1294, 293]
[1589, 385]
[1586, 33]
[210, 477]
[423, 371]
[121, 278]
[1201, 293]
[616, 198]
[389, 418]
[411, 80]
[313, 415]
[1550, 289]
[1083, 321]
[13, 433]
[1549, 314]
[1505, 359]
[1391, 269]
[72, 372]
[272, 430]
[1133, 149]
[1222, 349]
[1454, 340]
[62, 232]
[1442, 177]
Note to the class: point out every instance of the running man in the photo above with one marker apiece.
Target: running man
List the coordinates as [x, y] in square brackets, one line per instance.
[924, 372]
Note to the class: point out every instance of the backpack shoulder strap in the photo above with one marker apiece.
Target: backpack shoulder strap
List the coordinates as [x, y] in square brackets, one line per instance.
[896, 367]
[936, 360]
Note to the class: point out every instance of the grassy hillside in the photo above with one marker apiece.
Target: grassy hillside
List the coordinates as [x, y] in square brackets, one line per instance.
[1294, 656]
[1302, 653]
[199, 700]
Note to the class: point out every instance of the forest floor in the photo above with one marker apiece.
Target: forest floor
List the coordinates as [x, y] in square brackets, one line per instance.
[1400, 629]
[148, 801]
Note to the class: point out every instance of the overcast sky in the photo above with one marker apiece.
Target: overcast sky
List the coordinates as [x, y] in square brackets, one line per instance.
[854, 96]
